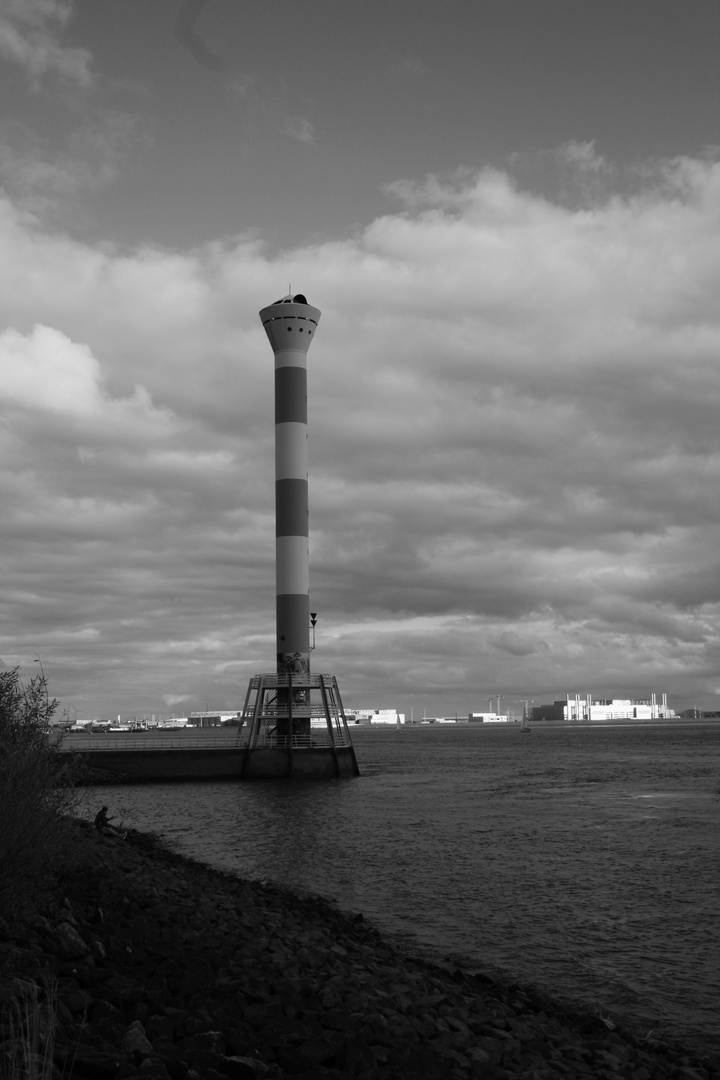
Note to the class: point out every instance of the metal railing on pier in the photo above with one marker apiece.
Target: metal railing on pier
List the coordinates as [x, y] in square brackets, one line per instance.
[87, 743]
[315, 740]
[273, 681]
[97, 743]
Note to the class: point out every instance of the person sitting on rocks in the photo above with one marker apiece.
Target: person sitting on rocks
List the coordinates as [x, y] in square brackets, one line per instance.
[102, 821]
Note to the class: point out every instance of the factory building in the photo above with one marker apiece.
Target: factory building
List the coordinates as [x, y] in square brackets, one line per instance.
[374, 716]
[212, 719]
[576, 707]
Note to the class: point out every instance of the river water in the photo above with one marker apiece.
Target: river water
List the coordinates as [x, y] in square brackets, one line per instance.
[585, 860]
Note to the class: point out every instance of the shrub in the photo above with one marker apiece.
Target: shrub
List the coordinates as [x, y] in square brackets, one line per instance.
[36, 791]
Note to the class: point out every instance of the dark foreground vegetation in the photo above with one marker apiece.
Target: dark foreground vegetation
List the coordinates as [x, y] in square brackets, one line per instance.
[37, 794]
[136, 962]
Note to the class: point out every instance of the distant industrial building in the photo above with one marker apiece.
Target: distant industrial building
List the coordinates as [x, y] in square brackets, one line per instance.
[374, 716]
[469, 718]
[487, 718]
[212, 719]
[604, 709]
[440, 720]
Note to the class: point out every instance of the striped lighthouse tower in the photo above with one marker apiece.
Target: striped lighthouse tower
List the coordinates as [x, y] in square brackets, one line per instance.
[295, 721]
[290, 325]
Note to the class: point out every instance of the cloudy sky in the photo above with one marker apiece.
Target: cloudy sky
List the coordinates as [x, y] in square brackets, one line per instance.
[508, 212]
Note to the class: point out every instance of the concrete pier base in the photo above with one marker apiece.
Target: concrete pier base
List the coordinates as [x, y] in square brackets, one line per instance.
[158, 759]
[154, 763]
[311, 763]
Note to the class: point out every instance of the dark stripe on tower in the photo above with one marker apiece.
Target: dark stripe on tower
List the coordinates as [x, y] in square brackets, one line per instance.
[290, 395]
[291, 508]
[292, 612]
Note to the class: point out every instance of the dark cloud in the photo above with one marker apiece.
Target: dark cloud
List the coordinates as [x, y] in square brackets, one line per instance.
[515, 643]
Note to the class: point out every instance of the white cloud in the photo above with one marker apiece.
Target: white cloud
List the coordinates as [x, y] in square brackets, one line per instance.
[300, 129]
[514, 450]
[582, 156]
[47, 176]
[46, 371]
[46, 167]
[30, 36]
[174, 699]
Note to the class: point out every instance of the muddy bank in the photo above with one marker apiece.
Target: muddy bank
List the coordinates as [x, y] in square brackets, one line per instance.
[161, 967]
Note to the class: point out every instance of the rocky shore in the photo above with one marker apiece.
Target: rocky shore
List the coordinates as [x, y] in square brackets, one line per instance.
[155, 966]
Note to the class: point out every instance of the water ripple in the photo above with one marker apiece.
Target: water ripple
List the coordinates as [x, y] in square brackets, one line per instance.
[583, 860]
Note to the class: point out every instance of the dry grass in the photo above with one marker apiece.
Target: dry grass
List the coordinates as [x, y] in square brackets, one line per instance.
[28, 1034]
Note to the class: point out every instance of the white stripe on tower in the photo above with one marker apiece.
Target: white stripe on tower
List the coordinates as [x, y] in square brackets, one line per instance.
[290, 325]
